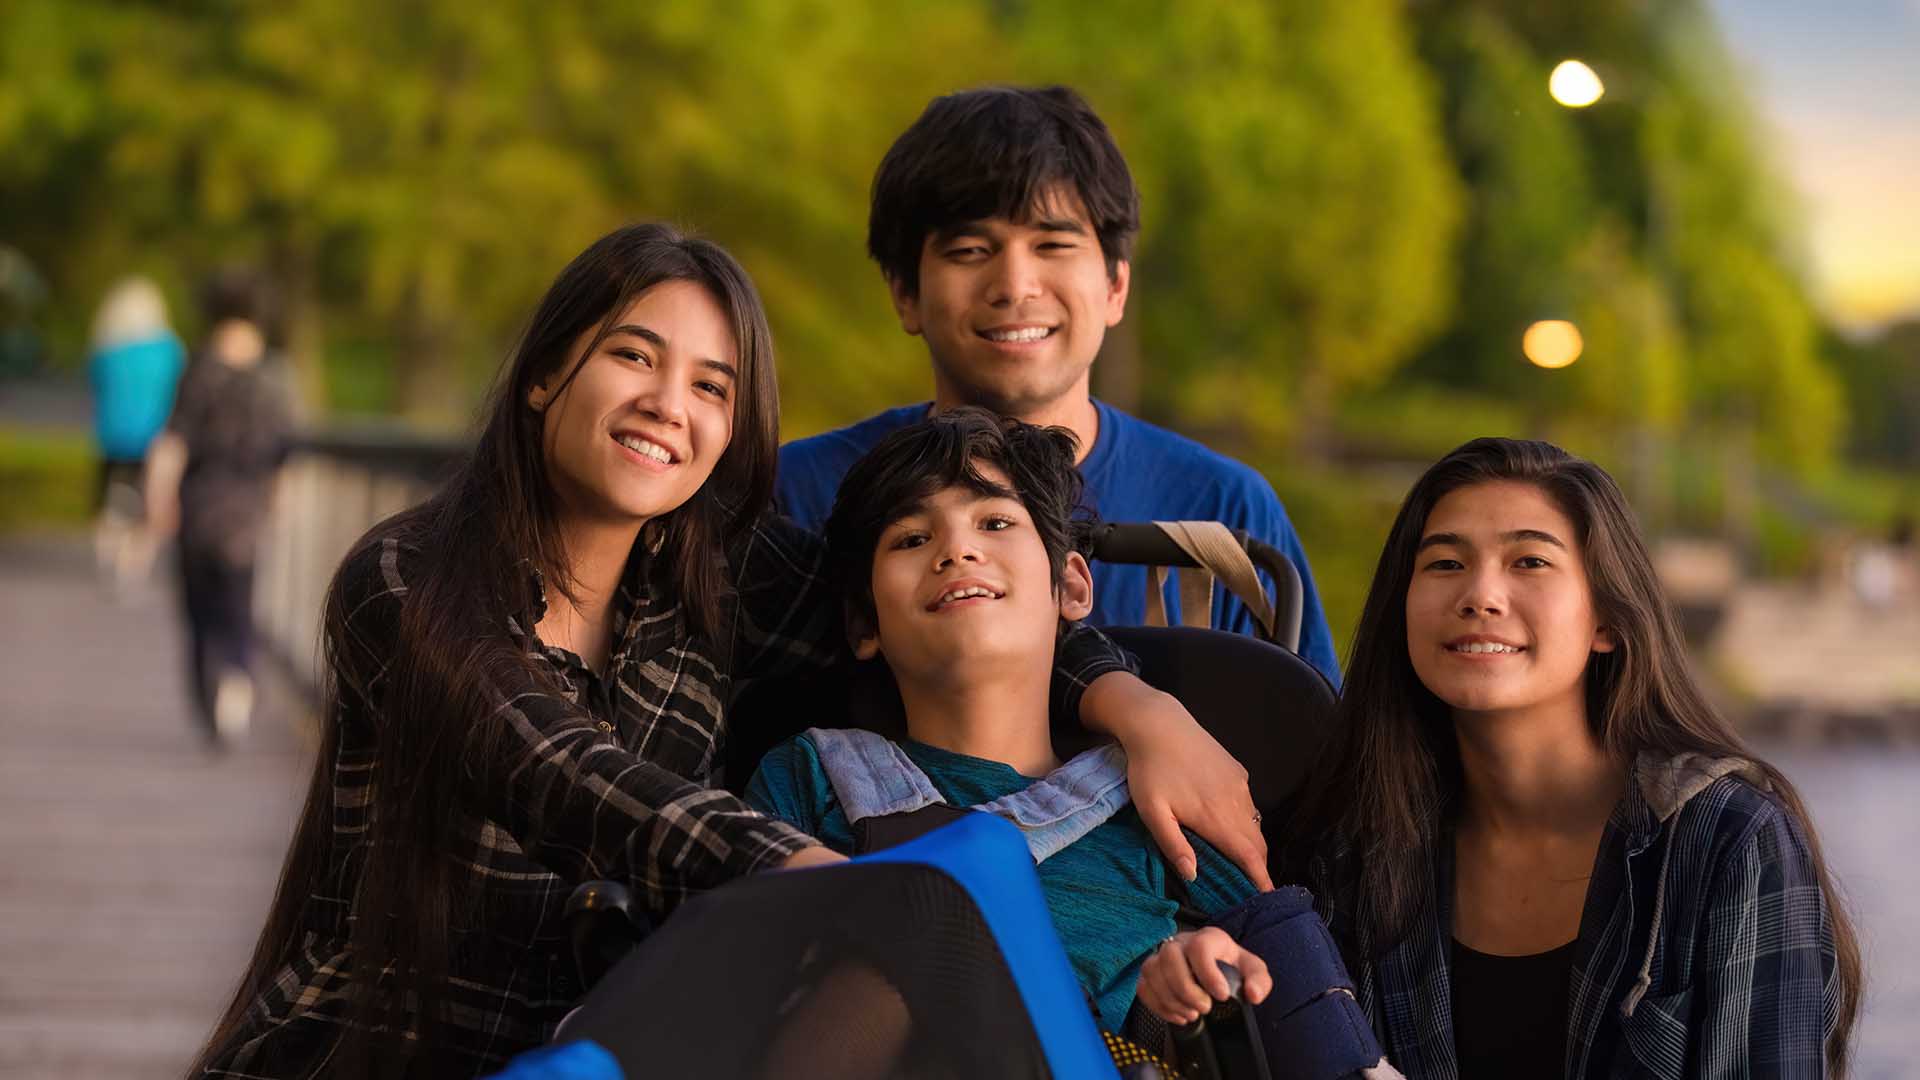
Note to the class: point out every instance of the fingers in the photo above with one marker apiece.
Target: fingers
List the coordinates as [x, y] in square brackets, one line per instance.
[1256, 982]
[1167, 837]
[1247, 849]
[1204, 953]
[1168, 988]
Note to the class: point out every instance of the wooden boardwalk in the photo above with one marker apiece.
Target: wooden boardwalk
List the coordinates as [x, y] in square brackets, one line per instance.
[135, 863]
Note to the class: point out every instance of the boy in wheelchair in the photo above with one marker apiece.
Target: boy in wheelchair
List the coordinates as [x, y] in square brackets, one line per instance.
[954, 541]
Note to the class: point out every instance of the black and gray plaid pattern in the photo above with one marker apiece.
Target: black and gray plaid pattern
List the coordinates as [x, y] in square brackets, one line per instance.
[1743, 972]
[612, 778]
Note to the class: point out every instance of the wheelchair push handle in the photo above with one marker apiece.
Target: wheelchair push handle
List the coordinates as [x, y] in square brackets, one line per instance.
[1145, 543]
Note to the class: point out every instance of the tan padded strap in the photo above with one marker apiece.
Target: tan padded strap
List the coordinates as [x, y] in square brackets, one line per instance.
[1156, 614]
[1196, 597]
[1215, 548]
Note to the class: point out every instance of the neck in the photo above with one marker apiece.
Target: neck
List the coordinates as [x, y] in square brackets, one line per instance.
[1538, 771]
[1072, 410]
[597, 553]
[1000, 719]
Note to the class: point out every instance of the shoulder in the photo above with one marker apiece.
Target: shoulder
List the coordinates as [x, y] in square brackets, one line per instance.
[790, 784]
[1733, 827]
[845, 445]
[1135, 442]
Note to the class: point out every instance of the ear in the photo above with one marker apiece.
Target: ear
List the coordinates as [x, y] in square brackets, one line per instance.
[906, 305]
[539, 397]
[862, 634]
[1117, 285]
[1076, 588]
[1603, 639]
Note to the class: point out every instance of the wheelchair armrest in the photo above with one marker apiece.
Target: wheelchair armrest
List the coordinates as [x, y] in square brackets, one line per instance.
[603, 925]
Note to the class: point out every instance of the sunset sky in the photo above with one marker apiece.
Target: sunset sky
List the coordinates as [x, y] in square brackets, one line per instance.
[1837, 82]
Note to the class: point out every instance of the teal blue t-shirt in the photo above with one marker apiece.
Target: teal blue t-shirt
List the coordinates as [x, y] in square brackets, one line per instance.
[1107, 891]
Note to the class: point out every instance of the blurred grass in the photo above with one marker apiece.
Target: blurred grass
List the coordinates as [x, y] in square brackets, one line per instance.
[48, 477]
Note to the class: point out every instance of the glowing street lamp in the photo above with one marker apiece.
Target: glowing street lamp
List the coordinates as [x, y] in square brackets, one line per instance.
[1552, 343]
[1574, 85]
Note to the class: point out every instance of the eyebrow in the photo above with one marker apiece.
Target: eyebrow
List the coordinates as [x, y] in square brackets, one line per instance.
[1065, 225]
[1456, 540]
[658, 342]
[978, 227]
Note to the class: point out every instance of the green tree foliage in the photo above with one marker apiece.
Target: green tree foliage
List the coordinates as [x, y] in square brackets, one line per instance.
[1334, 190]
[1299, 207]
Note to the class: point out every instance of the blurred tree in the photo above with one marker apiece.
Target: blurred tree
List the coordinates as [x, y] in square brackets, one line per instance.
[1299, 208]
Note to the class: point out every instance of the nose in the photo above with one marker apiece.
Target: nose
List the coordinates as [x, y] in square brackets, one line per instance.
[1015, 277]
[955, 551]
[663, 399]
[1481, 596]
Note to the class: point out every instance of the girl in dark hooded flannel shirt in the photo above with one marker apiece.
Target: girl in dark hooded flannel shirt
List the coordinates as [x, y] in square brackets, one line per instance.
[1550, 856]
[527, 674]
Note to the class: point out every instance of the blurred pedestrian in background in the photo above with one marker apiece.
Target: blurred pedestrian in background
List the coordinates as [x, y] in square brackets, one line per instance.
[133, 366]
[210, 478]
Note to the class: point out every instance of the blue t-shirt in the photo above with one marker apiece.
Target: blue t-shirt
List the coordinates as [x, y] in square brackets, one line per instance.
[133, 387]
[1107, 891]
[1135, 472]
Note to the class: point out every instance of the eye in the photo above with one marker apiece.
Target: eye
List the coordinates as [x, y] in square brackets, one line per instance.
[1531, 562]
[1058, 245]
[1443, 564]
[967, 251]
[908, 541]
[715, 389]
[996, 523]
[633, 356]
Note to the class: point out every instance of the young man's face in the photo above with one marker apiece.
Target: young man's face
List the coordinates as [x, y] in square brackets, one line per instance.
[964, 580]
[1013, 313]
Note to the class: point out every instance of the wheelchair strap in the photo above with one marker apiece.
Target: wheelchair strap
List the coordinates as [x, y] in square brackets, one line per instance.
[872, 776]
[1219, 554]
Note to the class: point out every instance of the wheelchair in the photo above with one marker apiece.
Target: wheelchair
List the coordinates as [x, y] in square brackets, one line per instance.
[955, 953]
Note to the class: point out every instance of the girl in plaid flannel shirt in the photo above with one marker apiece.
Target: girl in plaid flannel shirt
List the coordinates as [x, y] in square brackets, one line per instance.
[526, 681]
[1548, 854]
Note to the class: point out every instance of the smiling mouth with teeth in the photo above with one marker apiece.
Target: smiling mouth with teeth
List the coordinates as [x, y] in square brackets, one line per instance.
[1018, 337]
[645, 449]
[1479, 647]
[968, 593]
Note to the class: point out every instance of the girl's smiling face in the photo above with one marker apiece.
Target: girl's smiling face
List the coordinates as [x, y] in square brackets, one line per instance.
[1500, 616]
[641, 425]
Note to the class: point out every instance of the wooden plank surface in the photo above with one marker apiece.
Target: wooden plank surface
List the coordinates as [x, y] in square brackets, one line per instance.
[135, 862]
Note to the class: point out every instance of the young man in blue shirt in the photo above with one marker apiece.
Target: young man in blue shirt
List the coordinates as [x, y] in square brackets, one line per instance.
[1002, 220]
[953, 543]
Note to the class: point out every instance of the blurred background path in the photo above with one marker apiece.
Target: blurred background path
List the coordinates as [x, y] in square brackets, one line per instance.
[139, 861]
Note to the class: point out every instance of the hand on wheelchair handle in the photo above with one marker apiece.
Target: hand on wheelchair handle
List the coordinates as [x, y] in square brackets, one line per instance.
[1182, 981]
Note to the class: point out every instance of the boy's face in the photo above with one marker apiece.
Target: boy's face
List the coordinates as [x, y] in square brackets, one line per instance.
[963, 582]
[1013, 314]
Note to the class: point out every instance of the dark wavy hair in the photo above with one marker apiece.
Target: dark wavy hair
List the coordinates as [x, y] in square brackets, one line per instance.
[478, 536]
[1394, 774]
[993, 152]
[919, 461]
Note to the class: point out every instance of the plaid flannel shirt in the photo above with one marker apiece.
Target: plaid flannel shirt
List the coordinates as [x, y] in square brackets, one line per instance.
[612, 778]
[1705, 947]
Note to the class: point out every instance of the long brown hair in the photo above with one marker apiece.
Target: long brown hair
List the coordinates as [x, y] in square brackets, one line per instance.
[1394, 778]
[476, 538]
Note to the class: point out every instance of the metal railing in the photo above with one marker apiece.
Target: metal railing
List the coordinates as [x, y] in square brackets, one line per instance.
[337, 484]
